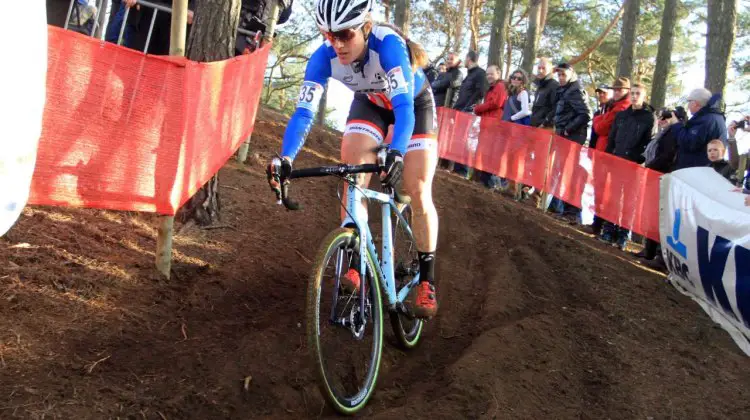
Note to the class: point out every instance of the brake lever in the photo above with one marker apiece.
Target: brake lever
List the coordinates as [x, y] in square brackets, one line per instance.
[289, 203]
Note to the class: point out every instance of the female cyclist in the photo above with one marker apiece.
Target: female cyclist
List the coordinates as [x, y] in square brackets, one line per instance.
[384, 70]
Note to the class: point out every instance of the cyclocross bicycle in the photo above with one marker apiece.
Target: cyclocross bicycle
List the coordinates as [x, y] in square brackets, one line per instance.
[345, 327]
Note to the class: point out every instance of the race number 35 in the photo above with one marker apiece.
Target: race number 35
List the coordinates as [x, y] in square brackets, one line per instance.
[396, 82]
[309, 95]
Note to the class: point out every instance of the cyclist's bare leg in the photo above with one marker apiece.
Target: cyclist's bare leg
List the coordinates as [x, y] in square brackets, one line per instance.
[419, 170]
[358, 149]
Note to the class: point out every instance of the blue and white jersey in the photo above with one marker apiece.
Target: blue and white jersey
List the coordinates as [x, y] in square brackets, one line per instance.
[384, 75]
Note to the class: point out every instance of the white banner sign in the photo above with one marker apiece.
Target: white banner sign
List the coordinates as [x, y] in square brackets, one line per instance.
[705, 237]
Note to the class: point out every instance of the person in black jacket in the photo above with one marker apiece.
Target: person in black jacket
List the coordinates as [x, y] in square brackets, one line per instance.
[660, 155]
[545, 98]
[445, 87]
[473, 89]
[474, 86]
[572, 113]
[633, 128]
[631, 132]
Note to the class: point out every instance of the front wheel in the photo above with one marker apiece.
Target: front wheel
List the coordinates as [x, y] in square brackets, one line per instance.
[344, 327]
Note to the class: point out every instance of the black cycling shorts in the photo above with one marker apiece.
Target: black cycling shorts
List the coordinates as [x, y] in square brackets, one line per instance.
[369, 118]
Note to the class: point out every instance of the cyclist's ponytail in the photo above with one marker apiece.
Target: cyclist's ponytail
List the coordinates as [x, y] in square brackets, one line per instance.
[417, 54]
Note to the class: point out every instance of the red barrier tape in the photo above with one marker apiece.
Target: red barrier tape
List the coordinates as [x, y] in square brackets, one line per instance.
[128, 131]
[615, 189]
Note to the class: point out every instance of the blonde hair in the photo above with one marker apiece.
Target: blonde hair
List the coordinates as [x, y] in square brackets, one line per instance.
[717, 142]
[417, 54]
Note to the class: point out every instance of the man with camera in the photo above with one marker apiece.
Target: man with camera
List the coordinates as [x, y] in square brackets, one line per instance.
[707, 123]
[742, 163]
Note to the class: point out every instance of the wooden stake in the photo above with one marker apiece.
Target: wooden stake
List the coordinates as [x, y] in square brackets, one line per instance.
[177, 38]
[543, 193]
[244, 149]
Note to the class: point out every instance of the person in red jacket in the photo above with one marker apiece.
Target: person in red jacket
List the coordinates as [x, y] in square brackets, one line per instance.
[620, 102]
[495, 98]
[491, 111]
[601, 125]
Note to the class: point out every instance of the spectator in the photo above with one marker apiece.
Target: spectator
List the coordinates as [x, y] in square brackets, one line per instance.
[628, 137]
[431, 73]
[572, 115]
[620, 102]
[82, 17]
[716, 152]
[517, 105]
[446, 87]
[441, 68]
[600, 131]
[707, 123]
[517, 111]
[253, 17]
[734, 155]
[491, 108]
[445, 90]
[545, 100]
[660, 156]
[139, 22]
[604, 99]
[494, 100]
[473, 89]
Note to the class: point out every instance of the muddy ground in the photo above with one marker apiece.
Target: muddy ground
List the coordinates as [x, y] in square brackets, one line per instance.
[537, 319]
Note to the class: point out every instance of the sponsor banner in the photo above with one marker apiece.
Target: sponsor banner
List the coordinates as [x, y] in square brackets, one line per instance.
[705, 237]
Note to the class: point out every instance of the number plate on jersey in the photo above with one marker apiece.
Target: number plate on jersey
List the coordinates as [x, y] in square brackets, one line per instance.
[309, 96]
[396, 82]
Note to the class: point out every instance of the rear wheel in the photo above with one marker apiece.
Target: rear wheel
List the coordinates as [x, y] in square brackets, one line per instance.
[407, 328]
[344, 328]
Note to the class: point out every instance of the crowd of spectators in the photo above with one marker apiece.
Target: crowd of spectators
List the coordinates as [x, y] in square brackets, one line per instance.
[622, 124]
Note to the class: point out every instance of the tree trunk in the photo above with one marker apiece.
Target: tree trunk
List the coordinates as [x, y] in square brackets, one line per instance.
[474, 24]
[722, 26]
[212, 38]
[402, 15]
[457, 44]
[585, 54]
[322, 106]
[664, 54]
[543, 17]
[387, 11]
[627, 38]
[497, 35]
[509, 41]
[532, 36]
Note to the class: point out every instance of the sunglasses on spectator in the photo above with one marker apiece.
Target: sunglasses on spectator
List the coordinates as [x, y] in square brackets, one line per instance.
[519, 78]
[344, 35]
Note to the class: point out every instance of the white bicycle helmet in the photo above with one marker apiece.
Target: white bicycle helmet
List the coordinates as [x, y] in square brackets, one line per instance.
[336, 15]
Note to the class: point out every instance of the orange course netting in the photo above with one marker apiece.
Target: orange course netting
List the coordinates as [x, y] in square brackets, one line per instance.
[127, 131]
[615, 189]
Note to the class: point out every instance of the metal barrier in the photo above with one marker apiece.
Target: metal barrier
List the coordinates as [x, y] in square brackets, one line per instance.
[74, 4]
[100, 4]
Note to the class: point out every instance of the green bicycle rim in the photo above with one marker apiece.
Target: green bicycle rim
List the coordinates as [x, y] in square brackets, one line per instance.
[333, 240]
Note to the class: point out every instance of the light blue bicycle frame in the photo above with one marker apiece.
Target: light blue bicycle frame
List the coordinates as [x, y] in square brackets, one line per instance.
[384, 266]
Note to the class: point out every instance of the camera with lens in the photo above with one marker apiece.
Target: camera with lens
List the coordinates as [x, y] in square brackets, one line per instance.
[740, 124]
[666, 114]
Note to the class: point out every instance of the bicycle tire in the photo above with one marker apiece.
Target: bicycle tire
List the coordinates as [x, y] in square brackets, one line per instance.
[407, 330]
[347, 239]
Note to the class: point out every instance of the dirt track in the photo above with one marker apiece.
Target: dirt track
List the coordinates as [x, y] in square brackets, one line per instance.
[537, 320]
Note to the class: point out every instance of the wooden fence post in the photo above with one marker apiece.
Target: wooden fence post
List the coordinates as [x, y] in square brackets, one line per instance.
[542, 205]
[177, 38]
